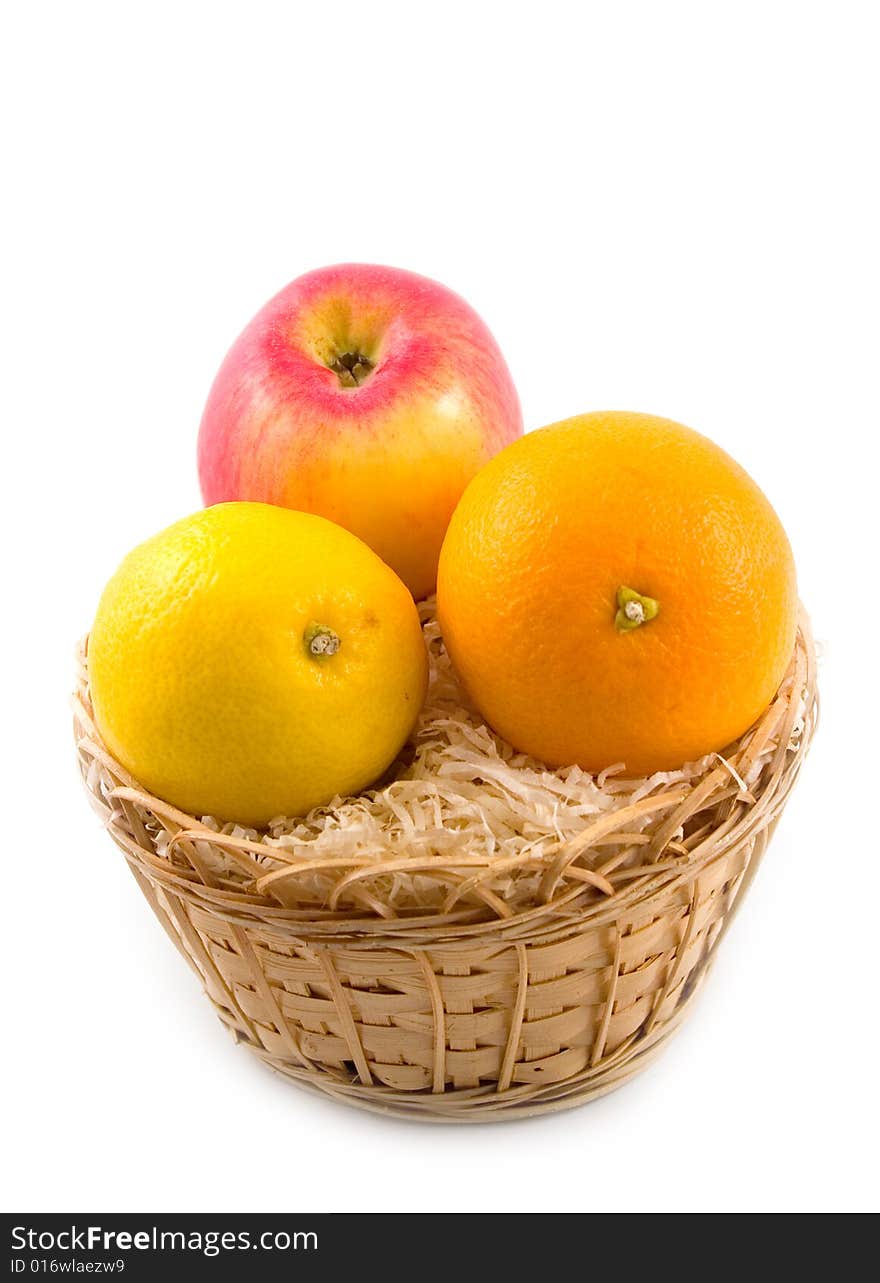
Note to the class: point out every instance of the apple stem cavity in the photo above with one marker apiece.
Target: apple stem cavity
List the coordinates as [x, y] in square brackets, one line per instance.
[634, 609]
[351, 368]
[320, 641]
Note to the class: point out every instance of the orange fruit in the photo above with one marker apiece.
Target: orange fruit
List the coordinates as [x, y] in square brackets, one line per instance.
[615, 588]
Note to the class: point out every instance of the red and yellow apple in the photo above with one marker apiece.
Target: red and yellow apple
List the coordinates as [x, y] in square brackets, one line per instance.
[367, 395]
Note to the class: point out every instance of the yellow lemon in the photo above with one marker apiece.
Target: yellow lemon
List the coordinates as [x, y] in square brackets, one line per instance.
[251, 661]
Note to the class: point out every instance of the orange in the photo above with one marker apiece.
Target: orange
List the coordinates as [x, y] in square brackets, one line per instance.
[615, 588]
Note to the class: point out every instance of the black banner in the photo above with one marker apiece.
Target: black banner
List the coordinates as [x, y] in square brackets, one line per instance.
[284, 1246]
[142, 1246]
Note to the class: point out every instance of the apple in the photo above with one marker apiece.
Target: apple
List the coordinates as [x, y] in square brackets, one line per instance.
[365, 394]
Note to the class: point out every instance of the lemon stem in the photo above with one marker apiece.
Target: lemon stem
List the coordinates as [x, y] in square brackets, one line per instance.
[321, 641]
[634, 609]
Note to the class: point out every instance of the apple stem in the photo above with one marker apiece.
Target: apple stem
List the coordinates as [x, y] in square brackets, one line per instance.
[351, 368]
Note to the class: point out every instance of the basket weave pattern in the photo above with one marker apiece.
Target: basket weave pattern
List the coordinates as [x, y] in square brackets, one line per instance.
[477, 1012]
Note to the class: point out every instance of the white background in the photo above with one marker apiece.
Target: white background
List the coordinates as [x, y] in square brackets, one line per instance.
[670, 208]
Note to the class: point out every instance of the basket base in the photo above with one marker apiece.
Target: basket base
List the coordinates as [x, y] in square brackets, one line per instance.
[484, 1104]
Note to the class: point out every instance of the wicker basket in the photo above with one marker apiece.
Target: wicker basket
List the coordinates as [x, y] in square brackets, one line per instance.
[477, 1012]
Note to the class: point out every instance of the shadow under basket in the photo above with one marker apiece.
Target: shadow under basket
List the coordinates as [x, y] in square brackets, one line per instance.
[476, 1011]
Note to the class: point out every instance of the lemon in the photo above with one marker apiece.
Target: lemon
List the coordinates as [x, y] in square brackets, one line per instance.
[251, 661]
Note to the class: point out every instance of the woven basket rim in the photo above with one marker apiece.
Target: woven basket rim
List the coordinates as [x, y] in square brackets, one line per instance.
[572, 888]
